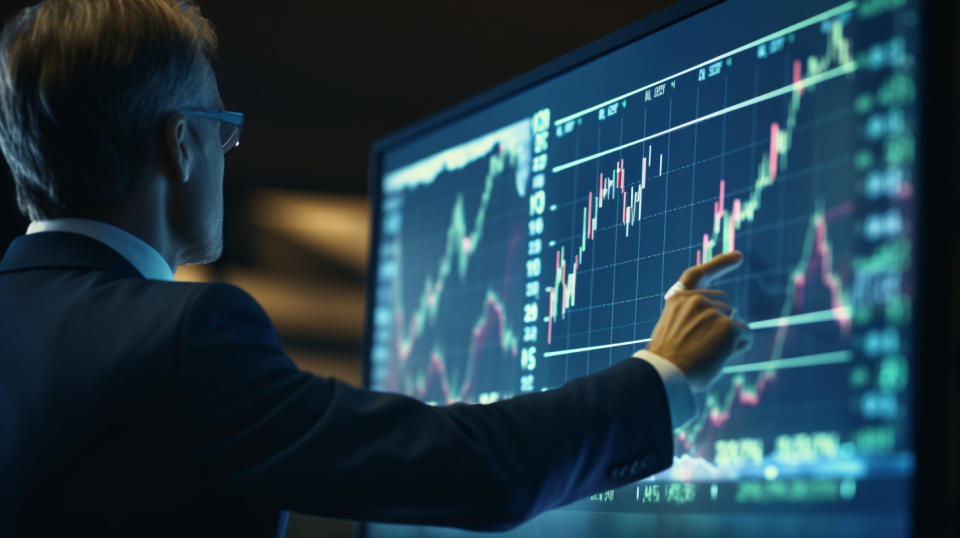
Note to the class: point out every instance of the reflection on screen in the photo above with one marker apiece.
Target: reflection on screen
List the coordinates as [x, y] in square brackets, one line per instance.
[537, 250]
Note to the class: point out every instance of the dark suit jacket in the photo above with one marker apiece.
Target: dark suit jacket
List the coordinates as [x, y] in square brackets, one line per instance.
[136, 407]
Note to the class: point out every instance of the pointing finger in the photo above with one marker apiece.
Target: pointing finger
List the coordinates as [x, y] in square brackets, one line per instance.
[717, 266]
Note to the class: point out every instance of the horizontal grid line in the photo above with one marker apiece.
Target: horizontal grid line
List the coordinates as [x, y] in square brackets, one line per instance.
[819, 359]
[797, 319]
[810, 81]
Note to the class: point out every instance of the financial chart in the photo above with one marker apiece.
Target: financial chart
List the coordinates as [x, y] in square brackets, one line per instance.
[532, 243]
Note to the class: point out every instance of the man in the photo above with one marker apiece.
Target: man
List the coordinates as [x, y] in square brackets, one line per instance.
[133, 405]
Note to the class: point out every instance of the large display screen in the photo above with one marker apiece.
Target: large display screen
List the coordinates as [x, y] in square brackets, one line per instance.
[531, 242]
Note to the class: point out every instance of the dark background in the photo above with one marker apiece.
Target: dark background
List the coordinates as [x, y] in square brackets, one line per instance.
[318, 82]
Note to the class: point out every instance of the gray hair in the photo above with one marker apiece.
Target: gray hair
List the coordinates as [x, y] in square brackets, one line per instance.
[85, 88]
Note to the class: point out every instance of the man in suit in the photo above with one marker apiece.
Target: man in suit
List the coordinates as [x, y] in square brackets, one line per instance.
[134, 405]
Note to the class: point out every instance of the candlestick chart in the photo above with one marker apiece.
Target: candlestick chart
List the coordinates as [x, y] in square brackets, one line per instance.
[543, 253]
[701, 168]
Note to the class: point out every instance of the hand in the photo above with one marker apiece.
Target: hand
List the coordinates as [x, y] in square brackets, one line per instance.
[695, 331]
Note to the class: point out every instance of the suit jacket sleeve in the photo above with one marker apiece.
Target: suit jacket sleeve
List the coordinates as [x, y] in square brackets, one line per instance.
[287, 438]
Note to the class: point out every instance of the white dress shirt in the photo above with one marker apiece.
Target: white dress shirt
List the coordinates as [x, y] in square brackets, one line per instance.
[141, 255]
[152, 266]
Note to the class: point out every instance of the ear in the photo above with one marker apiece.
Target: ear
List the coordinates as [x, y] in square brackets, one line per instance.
[177, 148]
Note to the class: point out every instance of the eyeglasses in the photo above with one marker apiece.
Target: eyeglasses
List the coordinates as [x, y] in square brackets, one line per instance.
[231, 125]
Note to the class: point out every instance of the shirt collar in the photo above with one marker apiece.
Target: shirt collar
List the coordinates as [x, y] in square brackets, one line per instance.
[141, 255]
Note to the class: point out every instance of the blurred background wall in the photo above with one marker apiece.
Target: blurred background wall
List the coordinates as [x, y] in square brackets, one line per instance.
[318, 82]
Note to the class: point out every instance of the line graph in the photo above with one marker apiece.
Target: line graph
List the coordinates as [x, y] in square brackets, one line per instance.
[462, 240]
[426, 361]
[493, 318]
[815, 247]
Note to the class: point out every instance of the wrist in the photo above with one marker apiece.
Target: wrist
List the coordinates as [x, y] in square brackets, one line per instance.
[679, 393]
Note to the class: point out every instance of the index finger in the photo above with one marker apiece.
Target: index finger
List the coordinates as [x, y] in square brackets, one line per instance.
[718, 265]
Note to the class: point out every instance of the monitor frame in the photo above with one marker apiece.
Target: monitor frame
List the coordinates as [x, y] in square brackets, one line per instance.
[935, 492]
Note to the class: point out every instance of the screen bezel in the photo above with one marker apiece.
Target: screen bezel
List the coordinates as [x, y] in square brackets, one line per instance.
[930, 511]
[934, 511]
